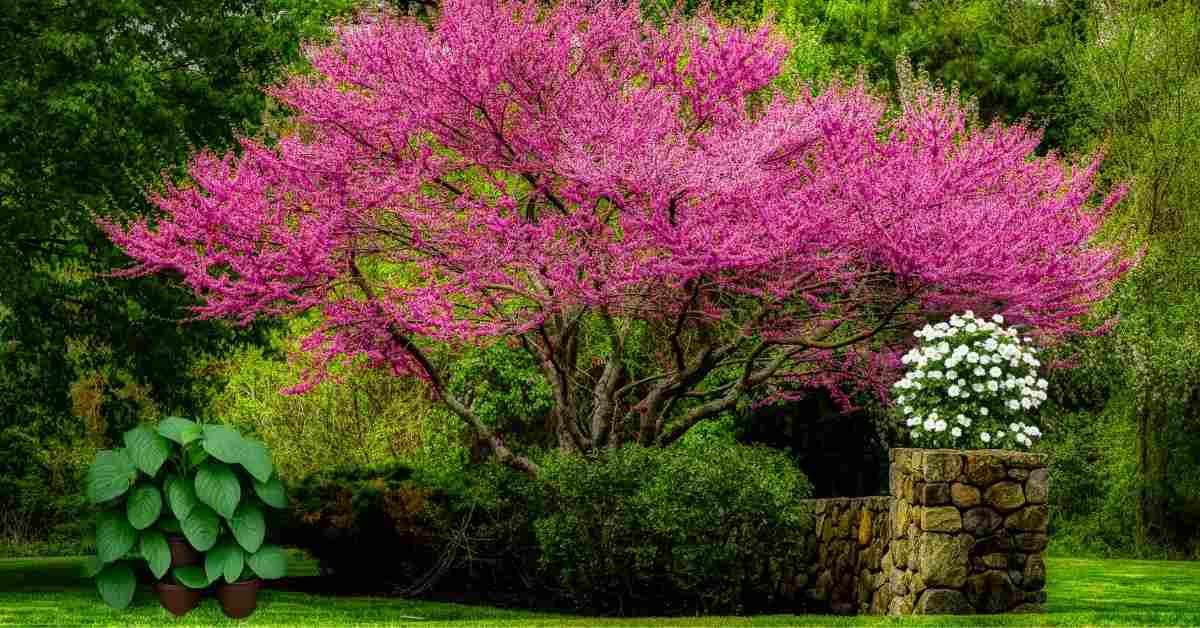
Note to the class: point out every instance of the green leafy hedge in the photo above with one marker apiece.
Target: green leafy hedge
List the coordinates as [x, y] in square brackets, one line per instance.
[707, 528]
[710, 528]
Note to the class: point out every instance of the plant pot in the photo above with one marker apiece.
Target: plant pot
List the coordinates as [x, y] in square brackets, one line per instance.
[182, 552]
[239, 599]
[177, 599]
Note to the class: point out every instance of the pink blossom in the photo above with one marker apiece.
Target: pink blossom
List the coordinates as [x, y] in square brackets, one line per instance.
[517, 167]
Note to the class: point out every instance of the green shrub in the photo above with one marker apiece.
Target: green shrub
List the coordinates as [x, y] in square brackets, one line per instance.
[41, 494]
[708, 528]
[386, 528]
[358, 416]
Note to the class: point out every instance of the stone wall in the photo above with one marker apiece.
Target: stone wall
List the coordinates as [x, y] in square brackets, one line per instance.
[961, 532]
[850, 537]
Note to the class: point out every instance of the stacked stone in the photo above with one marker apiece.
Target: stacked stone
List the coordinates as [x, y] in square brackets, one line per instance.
[850, 537]
[968, 529]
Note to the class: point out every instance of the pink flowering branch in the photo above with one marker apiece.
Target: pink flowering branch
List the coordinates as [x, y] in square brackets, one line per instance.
[567, 175]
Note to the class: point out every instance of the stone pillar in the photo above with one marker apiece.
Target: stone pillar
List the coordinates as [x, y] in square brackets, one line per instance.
[968, 530]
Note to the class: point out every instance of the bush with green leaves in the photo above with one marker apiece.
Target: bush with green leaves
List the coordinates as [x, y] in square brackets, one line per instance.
[390, 527]
[204, 482]
[709, 528]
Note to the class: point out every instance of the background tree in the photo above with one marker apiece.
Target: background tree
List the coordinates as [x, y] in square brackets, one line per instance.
[1136, 87]
[483, 179]
[98, 99]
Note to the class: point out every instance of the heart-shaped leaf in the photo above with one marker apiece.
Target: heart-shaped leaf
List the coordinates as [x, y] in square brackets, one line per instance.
[256, 458]
[116, 584]
[224, 443]
[226, 559]
[270, 562]
[144, 506]
[249, 526]
[114, 536]
[201, 528]
[179, 430]
[147, 449]
[218, 486]
[92, 566]
[157, 552]
[192, 577]
[110, 475]
[181, 495]
[271, 492]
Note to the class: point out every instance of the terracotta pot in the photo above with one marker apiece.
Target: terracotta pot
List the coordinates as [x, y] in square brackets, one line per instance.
[177, 599]
[239, 599]
[182, 552]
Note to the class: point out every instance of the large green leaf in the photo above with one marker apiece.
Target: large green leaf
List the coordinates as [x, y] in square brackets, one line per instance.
[271, 492]
[116, 584]
[147, 449]
[249, 526]
[192, 577]
[110, 475]
[226, 559]
[181, 495]
[179, 430]
[157, 552]
[256, 458]
[269, 562]
[217, 485]
[92, 566]
[224, 443]
[144, 506]
[202, 527]
[114, 536]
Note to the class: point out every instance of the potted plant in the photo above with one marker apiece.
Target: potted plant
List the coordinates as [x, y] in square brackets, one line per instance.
[182, 595]
[242, 572]
[176, 491]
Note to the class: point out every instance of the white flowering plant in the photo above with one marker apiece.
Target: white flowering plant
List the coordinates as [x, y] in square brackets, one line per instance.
[971, 383]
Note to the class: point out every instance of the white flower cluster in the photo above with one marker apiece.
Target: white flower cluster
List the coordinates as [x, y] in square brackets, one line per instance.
[971, 381]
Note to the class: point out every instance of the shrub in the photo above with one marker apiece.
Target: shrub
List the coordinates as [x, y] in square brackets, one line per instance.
[365, 418]
[988, 381]
[707, 529]
[41, 496]
[386, 528]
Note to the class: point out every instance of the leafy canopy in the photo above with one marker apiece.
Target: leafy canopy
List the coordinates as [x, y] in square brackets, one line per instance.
[545, 172]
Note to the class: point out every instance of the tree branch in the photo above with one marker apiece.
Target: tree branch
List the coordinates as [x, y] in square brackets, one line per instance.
[485, 434]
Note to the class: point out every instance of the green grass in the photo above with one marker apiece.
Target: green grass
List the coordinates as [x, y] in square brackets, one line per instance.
[1082, 592]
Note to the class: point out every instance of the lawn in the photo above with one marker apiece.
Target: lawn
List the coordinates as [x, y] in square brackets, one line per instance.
[50, 591]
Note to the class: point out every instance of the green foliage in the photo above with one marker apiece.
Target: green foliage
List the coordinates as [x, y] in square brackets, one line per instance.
[384, 528]
[1008, 56]
[360, 416]
[116, 583]
[709, 528]
[508, 389]
[99, 98]
[1127, 449]
[157, 552]
[226, 560]
[205, 503]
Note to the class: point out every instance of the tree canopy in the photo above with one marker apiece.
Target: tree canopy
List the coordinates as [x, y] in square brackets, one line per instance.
[570, 177]
[97, 99]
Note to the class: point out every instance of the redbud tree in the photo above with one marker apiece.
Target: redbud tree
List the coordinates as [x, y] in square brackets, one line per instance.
[567, 177]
